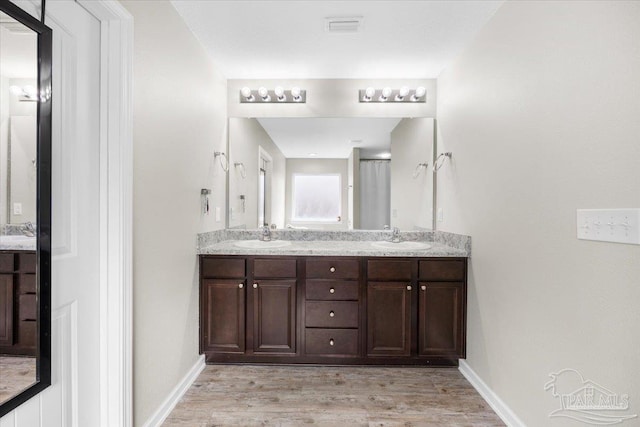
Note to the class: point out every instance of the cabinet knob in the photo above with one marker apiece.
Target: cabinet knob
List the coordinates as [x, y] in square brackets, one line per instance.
[423, 287]
[332, 314]
[331, 342]
[332, 290]
[241, 285]
[332, 269]
[408, 287]
[255, 286]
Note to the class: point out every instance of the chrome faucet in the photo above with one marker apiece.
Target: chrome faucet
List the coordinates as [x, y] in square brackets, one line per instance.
[266, 234]
[28, 229]
[396, 235]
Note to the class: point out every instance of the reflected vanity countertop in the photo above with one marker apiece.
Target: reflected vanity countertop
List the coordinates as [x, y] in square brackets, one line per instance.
[345, 243]
[17, 243]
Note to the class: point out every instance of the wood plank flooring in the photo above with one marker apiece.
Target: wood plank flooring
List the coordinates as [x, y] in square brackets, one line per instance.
[16, 374]
[287, 396]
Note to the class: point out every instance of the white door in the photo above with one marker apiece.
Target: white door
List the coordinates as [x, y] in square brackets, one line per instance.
[74, 397]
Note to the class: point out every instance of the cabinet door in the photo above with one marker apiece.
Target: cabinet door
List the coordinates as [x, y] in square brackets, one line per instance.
[274, 316]
[441, 319]
[388, 318]
[6, 309]
[223, 316]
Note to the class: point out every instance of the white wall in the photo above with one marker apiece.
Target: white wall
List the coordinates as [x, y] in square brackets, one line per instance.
[318, 166]
[179, 121]
[412, 197]
[332, 98]
[541, 114]
[353, 172]
[245, 138]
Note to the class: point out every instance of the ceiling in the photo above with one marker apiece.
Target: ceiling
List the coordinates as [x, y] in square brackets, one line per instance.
[330, 137]
[19, 48]
[287, 39]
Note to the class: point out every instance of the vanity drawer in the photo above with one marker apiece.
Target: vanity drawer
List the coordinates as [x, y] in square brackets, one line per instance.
[331, 341]
[27, 332]
[378, 269]
[274, 268]
[27, 262]
[223, 267]
[332, 268]
[6, 263]
[331, 314]
[441, 270]
[332, 290]
[27, 283]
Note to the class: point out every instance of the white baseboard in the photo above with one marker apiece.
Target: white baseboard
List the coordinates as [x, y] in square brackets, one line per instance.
[176, 394]
[497, 404]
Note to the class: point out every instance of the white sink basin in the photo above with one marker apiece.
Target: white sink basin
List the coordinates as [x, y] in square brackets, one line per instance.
[401, 246]
[259, 244]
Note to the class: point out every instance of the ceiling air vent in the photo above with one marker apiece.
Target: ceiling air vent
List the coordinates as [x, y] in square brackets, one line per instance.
[342, 25]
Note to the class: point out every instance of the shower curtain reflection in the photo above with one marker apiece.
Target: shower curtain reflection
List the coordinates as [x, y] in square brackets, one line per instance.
[375, 194]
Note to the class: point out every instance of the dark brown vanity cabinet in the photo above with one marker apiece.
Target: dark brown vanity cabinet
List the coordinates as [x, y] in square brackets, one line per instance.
[273, 295]
[416, 308]
[18, 317]
[335, 310]
[247, 306]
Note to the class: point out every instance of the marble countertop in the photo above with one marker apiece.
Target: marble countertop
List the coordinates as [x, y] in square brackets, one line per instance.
[17, 243]
[332, 248]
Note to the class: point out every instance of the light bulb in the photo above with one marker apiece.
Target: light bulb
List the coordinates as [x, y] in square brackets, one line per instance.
[295, 93]
[264, 94]
[16, 90]
[370, 92]
[404, 91]
[386, 93]
[420, 92]
[246, 93]
[30, 91]
[279, 91]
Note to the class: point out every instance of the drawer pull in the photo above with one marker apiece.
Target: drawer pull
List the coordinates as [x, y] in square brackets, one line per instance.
[408, 287]
[423, 287]
[332, 342]
[241, 285]
[332, 314]
[332, 269]
[255, 286]
[332, 290]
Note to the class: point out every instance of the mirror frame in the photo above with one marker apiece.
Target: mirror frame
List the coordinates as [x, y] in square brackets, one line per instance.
[43, 245]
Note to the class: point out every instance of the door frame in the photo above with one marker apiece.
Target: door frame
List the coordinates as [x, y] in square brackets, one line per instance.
[116, 195]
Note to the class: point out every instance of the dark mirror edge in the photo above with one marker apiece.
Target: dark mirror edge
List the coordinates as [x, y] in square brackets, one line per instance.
[43, 367]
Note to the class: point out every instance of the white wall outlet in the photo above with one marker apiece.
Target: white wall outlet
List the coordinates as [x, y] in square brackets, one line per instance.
[394, 213]
[440, 214]
[218, 214]
[609, 225]
[17, 208]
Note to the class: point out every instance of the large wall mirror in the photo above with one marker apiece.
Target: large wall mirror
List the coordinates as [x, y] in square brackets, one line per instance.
[331, 173]
[25, 206]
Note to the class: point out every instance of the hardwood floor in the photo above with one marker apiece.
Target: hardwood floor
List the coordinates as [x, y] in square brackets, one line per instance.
[287, 396]
[16, 374]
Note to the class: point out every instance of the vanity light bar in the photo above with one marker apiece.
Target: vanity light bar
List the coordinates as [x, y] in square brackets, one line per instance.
[278, 95]
[393, 96]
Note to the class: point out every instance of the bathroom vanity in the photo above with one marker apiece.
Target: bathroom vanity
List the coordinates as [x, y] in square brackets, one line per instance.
[18, 314]
[333, 302]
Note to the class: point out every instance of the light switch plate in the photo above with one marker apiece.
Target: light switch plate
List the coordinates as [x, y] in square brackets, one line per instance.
[609, 225]
[218, 214]
[17, 208]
